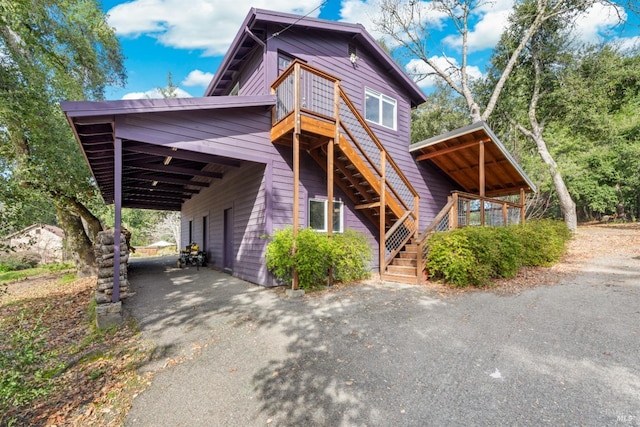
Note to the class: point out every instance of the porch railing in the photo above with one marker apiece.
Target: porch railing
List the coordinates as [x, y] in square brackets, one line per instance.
[465, 209]
[321, 97]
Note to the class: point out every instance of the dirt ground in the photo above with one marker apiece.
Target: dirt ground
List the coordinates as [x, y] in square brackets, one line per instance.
[101, 379]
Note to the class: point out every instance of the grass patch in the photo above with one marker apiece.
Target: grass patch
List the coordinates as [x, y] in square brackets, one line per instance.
[11, 276]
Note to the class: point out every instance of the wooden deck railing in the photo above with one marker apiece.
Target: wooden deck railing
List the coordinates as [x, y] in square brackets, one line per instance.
[465, 209]
[320, 96]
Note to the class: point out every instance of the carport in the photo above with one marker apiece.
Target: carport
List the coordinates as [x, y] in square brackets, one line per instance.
[159, 153]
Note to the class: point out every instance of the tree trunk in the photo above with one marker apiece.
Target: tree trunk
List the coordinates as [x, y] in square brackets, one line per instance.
[78, 241]
[567, 205]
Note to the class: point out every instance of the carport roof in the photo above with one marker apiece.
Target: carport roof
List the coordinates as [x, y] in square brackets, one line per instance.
[153, 176]
[457, 153]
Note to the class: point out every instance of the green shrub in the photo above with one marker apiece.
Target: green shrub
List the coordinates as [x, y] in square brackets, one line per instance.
[450, 257]
[17, 262]
[475, 255]
[349, 253]
[543, 241]
[312, 258]
[279, 255]
[351, 256]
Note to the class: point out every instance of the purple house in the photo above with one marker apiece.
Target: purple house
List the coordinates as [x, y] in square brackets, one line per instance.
[305, 124]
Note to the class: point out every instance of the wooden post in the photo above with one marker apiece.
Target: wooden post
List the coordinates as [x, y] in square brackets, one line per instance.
[481, 182]
[416, 212]
[522, 210]
[454, 211]
[505, 214]
[117, 201]
[330, 199]
[383, 209]
[296, 164]
[467, 209]
[450, 217]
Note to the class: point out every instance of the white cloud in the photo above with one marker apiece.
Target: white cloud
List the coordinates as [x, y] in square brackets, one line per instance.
[627, 44]
[595, 23]
[485, 34]
[425, 76]
[366, 12]
[207, 25]
[197, 78]
[155, 94]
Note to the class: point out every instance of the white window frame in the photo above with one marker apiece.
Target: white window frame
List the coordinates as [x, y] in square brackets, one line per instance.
[382, 99]
[325, 203]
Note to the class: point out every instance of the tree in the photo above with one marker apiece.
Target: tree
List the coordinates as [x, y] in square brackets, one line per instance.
[50, 51]
[444, 112]
[407, 22]
[530, 89]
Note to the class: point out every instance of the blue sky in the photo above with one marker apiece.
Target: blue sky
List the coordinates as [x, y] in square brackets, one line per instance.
[188, 39]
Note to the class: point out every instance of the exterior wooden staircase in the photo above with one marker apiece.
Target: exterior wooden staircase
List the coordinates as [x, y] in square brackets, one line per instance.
[314, 114]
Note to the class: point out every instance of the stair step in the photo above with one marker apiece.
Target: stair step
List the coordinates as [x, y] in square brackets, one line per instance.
[408, 262]
[410, 249]
[402, 270]
[400, 278]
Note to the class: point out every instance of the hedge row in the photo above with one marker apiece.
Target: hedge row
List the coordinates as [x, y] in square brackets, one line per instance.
[349, 253]
[475, 255]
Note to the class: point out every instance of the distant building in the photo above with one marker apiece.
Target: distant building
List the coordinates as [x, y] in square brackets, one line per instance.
[45, 240]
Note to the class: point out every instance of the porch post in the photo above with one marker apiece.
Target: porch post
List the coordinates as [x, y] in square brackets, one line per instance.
[330, 199]
[117, 200]
[481, 182]
[504, 214]
[455, 211]
[296, 163]
[522, 210]
[383, 211]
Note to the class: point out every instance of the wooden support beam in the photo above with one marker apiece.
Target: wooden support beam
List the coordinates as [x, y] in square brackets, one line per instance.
[505, 213]
[172, 169]
[383, 186]
[367, 206]
[447, 150]
[522, 209]
[164, 178]
[163, 151]
[296, 165]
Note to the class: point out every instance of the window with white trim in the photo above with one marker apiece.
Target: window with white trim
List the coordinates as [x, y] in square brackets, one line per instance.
[318, 216]
[380, 109]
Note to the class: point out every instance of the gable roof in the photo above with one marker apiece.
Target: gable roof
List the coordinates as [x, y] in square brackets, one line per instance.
[50, 228]
[456, 153]
[245, 40]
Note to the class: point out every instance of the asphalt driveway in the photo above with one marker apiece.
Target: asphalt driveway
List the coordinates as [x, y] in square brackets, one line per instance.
[389, 355]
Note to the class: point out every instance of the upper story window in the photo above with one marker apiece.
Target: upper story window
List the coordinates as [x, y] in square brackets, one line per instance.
[283, 62]
[380, 109]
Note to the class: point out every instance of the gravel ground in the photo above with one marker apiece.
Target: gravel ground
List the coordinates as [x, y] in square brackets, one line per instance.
[232, 354]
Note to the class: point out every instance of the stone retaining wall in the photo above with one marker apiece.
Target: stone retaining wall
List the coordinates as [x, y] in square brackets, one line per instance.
[104, 250]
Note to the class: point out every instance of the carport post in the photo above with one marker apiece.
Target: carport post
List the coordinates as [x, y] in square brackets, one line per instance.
[117, 200]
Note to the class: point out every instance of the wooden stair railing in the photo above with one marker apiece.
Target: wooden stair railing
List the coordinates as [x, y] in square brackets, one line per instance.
[363, 168]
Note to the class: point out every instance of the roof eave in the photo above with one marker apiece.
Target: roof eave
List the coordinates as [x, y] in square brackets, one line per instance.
[470, 129]
[105, 108]
[261, 15]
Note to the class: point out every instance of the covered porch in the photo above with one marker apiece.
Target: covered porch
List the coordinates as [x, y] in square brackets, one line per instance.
[493, 185]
